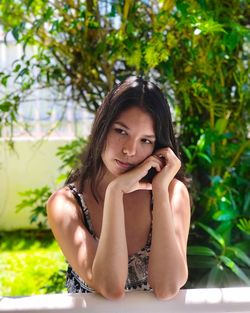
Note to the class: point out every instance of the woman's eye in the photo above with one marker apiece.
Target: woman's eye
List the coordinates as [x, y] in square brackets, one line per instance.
[120, 131]
[146, 141]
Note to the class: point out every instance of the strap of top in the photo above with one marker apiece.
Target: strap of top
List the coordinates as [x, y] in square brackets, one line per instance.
[85, 213]
[76, 195]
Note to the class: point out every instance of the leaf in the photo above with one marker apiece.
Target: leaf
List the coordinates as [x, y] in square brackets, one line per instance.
[151, 56]
[5, 107]
[240, 255]
[201, 142]
[24, 71]
[210, 26]
[244, 225]
[61, 178]
[214, 276]
[17, 68]
[200, 250]
[216, 180]
[130, 28]
[246, 203]
[201, 262]
[4, 80]
[213, 234]
[205, 157]
[48, 13]
[29, 3]
[15, 32]
[226, 211]
[232, 38]
[235, 269]
[221, 125]
[187, 152]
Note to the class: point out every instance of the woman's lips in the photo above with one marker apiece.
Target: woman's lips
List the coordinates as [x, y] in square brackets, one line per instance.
[123, 164]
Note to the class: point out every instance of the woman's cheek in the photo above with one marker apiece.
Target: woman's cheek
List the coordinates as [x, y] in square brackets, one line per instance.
[147, 153]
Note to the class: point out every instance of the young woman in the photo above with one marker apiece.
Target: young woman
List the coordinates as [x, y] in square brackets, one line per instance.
[118, 228]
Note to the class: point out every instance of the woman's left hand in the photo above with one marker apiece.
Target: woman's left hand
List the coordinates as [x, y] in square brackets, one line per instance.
[171, 165]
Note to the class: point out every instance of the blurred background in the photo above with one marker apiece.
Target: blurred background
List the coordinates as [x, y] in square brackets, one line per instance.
[58, 60]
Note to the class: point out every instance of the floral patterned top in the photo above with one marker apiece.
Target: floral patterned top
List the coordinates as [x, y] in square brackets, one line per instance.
[137, 263]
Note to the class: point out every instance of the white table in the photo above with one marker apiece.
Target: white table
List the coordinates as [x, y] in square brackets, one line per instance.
[190, 300]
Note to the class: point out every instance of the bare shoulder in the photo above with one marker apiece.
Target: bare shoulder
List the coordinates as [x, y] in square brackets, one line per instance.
[62, 203]
[179, 195]
[178, 187]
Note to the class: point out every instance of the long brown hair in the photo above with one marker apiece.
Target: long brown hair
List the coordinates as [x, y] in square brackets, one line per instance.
[134, 91]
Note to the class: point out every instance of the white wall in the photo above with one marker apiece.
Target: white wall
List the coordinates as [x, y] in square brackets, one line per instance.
[30, 166]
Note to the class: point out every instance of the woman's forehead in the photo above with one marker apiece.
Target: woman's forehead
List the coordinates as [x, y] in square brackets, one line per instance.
[135, 117]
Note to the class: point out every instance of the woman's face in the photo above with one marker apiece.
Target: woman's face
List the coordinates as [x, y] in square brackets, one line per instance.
[130, 140]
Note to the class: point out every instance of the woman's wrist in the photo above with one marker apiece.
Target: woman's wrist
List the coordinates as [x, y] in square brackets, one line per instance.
[114, 188]
[159, 186]
[159, 190]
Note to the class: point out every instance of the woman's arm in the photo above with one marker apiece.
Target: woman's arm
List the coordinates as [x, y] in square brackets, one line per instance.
[171, 218]
[167, 262]
[110, 266]
[103, 266]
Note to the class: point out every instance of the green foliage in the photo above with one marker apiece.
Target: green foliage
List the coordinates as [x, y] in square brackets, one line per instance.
[30, 261]
[56, 283]
[224, 258]
[69, 155]
[244, 225]
[35, 199]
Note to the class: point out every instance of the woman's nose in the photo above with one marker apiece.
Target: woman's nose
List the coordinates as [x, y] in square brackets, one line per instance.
[129, 147]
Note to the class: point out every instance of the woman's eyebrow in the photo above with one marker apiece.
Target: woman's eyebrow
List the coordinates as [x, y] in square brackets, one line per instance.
[126, 127]
[121, 124]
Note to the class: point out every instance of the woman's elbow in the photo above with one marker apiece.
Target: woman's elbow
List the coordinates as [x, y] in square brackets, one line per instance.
[112, 293]
[171, 290]
[166, 293]
[109, 287]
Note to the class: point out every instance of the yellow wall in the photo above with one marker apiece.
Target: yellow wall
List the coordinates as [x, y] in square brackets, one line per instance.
[33, 164]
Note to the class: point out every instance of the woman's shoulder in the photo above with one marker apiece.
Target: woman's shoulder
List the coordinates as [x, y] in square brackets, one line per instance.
[178, 192]
[178, 185]
[60, 195]
[62, 202]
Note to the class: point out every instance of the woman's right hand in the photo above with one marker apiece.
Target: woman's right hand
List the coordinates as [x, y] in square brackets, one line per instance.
[132, 180]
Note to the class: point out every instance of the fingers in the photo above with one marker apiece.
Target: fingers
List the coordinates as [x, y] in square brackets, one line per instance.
[155, 162]
[165, 152]
[169, 157]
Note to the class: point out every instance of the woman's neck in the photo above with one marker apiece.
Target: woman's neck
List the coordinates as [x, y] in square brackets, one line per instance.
[101, 186]
[105, 180]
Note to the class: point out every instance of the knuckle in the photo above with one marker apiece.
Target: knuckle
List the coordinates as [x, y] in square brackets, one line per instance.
[153, 158]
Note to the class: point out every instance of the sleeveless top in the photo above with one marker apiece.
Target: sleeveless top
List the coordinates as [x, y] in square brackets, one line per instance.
[137, 263]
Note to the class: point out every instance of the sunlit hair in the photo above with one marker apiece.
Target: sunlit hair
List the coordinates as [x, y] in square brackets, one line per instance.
[134, 91]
